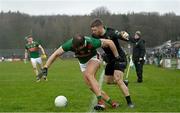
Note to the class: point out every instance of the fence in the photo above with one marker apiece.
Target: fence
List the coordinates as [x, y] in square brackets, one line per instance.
[19, 53]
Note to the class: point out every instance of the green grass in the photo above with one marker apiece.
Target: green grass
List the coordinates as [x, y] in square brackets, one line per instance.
[19, 92]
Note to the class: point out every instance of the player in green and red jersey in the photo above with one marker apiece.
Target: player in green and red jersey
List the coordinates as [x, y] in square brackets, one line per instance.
[85, 50]
[32, 47]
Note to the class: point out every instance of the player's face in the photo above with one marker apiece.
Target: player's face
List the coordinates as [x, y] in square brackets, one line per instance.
[136, 36]
[30, 39]
[97, 30]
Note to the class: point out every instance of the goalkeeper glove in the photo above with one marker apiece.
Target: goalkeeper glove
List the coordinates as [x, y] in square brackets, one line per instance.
[124, 35]
[44, 56]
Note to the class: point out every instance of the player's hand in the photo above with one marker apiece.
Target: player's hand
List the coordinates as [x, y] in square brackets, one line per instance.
[43, 56]
[45, 71]
[124, 35]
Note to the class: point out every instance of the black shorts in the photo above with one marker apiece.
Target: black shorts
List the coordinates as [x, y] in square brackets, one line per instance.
[109, 69]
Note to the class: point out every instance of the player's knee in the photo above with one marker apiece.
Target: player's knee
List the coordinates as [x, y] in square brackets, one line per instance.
[87, 75]
[117, 78]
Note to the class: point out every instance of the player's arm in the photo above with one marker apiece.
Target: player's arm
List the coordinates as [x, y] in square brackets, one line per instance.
[65, 47]
[42, 50]
[111, 45]
[123, 35]
[53, 57]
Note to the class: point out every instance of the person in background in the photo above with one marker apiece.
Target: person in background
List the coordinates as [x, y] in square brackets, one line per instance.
[138, 55]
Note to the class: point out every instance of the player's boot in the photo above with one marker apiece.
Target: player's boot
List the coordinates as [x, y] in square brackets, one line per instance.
[115, 104]
[139, 80]
[131, 105]
[45, 78]
[38, 79]
[100, 105]
[40, 75]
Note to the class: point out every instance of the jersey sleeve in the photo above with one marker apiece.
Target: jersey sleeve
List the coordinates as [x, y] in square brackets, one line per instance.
[67, 46]
[116, 34]
[96, 43]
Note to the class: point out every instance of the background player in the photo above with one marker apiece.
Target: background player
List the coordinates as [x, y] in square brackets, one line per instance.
[32, 47]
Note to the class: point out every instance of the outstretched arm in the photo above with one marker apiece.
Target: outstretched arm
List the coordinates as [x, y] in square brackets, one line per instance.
[53, 57]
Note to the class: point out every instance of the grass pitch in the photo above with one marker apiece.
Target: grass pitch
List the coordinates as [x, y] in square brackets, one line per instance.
[160, 91]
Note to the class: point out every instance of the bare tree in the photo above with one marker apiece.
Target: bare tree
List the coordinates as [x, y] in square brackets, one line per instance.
[100, 11]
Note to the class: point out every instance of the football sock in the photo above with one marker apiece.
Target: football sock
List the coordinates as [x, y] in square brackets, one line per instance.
[109, 101]
[99, 98]
[128, 99]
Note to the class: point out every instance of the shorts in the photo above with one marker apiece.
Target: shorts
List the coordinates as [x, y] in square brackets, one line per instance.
[36, 61]
[83, 66]
[110, 67]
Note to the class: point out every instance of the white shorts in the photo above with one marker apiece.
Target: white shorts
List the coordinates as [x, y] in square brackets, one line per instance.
[95, 58]
[36, 61]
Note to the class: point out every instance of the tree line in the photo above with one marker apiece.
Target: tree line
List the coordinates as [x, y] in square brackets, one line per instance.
[52, 30]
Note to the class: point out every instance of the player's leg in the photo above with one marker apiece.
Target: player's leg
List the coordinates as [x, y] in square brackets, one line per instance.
[108, 78]
[105, 96]
[141, 71]
[35, 69]
[87, 76]
[138, 71]
[89, 73]
[118, 77]
[39, 61]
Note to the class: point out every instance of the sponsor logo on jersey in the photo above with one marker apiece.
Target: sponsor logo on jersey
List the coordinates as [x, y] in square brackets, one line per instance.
[33, 49]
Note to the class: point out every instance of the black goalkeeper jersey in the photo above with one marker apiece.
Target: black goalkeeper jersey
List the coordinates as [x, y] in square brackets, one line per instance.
[113, 35]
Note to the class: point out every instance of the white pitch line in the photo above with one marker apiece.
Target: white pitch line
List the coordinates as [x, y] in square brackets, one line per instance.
[94, 100]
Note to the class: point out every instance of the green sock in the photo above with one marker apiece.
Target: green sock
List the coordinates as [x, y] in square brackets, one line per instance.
[99, 97]
[109, 101]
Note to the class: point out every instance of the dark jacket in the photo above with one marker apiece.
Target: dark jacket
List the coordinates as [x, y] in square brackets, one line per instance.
[138, 49]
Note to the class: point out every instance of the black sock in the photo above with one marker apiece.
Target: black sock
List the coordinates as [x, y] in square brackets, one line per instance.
[128, 99]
